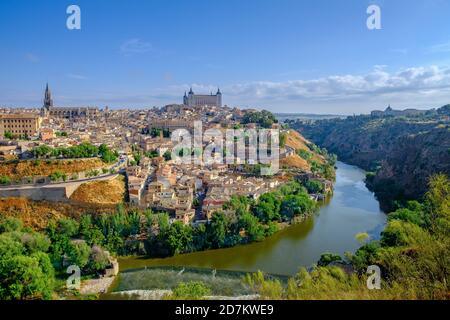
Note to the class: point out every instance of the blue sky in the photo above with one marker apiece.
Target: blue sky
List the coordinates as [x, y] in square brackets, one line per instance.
[284, 55]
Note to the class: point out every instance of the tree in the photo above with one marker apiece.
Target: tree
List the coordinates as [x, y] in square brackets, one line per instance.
[98, 259]
[78, 253]
[167, 155]
[254, 230]
[178, 237]
[9, 135]
[294, 205]
[26, 277]
[314, 186]
[218, 229]
[327, 258]
[263, 118]
[200, 237]
[268, 207]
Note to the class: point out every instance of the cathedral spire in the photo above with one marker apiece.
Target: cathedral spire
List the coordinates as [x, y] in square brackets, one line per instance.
[48, 101]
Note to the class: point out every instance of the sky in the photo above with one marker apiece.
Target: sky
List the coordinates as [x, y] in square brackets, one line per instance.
[294, 56]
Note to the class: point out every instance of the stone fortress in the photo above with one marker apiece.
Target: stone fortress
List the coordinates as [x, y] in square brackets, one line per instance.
[200, 100]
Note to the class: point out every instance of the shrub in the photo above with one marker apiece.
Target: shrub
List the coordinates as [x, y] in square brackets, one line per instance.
[193, 290]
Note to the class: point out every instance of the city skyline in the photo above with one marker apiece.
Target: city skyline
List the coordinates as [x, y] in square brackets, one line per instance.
[290, 57]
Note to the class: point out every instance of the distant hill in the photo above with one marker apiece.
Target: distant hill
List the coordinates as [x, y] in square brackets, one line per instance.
[305, 116]
[402, 150]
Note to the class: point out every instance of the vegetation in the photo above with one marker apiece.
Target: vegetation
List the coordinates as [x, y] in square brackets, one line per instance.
[413, 255]
[5, 180]
[61, 134]
[9, 135]
[83, 150]
[242, 221]
[193, 290]
[16, 170]
[263, 118]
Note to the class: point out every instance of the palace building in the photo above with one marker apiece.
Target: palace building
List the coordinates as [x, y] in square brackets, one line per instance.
[62, 112]
[199, 100]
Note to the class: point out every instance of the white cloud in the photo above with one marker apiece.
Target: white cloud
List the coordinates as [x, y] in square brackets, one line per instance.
[415, 87]
[421, 87]
[135, 46]
[375, 83]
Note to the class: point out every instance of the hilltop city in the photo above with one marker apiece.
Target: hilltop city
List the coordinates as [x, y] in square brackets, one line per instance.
[139, 147]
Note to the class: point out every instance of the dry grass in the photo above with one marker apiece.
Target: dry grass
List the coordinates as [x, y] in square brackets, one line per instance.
[295, 161]
[108, 192]
[37, 214]
[296, 141]
[31, 168]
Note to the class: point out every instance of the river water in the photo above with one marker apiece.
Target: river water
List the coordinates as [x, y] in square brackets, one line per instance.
[352, 209]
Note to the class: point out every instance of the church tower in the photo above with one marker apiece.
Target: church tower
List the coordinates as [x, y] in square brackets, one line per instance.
[48, 101]
[219, 97]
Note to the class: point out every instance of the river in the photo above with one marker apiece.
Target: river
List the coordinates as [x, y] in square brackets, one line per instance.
[352, 209]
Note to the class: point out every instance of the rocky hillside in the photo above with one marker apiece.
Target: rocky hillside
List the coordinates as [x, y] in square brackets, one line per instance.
[307, 156]
[401, 151]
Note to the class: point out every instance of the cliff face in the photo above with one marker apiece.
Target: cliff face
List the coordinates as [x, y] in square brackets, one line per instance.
[408, 166]
[403, 152]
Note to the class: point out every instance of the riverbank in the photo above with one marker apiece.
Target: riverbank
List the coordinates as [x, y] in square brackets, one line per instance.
[351, 210]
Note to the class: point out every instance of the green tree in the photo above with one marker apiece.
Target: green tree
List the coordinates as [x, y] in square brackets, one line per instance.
[294, 205]
[9, 135]
[23, 278]
[218, 229]
[178, 237]
[253, 228]
[78, 253]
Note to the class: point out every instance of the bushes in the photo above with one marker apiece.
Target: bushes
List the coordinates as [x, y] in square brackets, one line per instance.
[57, 176]
[327, 258]
[314, 186]
[5, 180]
[83, 150]
[263, 118]
[193, 290]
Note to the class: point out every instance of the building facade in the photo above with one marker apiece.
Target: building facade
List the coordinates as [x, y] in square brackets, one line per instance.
[20, 124]
[61, 112]
[198, 100]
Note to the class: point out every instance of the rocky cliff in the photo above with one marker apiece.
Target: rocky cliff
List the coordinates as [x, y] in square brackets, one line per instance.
[401, 151]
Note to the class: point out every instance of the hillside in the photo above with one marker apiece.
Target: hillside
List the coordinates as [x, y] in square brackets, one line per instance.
[21, 169]
[37, 214]
[308, 157]
[401, 151]
[108, 192]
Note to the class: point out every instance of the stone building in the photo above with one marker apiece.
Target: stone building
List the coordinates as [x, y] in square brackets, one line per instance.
[62, 112]
[199, 100]
[20, 124]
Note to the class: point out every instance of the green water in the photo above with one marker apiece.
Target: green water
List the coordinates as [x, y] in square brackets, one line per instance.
[352, 209]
